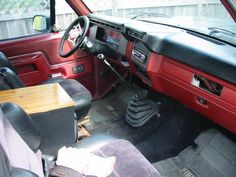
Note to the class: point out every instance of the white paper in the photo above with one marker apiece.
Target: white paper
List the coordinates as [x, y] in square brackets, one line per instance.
[85, 162]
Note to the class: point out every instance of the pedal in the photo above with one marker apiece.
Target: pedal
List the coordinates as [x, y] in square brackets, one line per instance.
[141, 110]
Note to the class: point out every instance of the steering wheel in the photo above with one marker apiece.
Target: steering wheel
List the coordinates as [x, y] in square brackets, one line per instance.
[75, 35]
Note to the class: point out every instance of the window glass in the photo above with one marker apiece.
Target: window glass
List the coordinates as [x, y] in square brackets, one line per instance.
[65, 15]
[205, 16]
[16, 17]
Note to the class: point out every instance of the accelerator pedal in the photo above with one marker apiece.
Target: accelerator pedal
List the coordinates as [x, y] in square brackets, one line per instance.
[140, 110]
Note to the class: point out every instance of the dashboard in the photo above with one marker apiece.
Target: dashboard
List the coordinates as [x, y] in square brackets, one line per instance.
[196, 70]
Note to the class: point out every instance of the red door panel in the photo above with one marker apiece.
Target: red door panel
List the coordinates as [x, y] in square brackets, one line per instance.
[36, 58]
[46, 43]
[32, 68]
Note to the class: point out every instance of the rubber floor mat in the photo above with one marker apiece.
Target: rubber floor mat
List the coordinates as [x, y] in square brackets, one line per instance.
[214, 156]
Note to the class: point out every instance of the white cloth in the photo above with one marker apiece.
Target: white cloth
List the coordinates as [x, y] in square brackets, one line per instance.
[85, 162]
[18, 152]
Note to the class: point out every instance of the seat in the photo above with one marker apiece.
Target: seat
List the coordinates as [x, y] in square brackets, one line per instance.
[4, 62]
[129, 161]
[81, 96]
[7, 170]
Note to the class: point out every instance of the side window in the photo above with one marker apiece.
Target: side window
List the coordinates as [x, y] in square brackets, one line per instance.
[65, 15]
[16, 17]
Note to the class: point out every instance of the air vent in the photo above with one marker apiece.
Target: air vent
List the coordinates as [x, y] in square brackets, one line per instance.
[135, 34]
[106, 25]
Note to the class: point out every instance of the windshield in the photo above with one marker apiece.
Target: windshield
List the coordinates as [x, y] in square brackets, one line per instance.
[205, 16]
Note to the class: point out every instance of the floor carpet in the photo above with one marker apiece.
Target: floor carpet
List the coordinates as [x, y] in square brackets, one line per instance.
[159, 138]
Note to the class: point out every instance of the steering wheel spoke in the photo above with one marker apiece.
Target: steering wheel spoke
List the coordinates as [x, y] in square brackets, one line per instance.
[75, 34]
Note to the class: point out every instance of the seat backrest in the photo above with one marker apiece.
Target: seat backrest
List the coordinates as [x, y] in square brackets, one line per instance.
[9, 79]
[23, 124]
[5, 168]
[7, 171]
[4, 62]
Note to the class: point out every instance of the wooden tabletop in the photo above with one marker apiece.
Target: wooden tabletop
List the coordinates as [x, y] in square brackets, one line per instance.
[38, 99]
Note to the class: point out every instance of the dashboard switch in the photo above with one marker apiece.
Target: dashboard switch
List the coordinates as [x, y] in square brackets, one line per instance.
[78, 69]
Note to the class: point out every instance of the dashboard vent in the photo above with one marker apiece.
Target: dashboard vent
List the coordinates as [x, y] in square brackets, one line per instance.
[107, 25]
[135, 34]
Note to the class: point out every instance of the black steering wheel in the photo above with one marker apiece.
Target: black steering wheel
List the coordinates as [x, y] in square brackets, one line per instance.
[75, 34]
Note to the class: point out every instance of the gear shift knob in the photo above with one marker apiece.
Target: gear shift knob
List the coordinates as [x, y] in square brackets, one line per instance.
[101, 57]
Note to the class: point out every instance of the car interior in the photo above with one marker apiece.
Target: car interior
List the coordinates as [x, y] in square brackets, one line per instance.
[157, 96]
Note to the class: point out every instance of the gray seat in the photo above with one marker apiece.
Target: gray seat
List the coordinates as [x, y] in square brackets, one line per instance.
[81, 96]
[4, 62]
[6, 170]
[129, 161]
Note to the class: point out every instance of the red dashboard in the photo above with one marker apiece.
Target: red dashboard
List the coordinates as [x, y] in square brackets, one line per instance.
[197, 70]
[175, 79]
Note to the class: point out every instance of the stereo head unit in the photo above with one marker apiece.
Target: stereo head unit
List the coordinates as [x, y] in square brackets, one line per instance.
[139, 56]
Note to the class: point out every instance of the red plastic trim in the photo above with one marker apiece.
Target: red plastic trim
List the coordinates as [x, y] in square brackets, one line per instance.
[36, 58]
[229, 8]
[79, 7]
[174, 79]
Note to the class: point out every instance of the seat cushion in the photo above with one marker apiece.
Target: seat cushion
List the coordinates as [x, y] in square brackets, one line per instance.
[129, 161]
[81, 96]
[95, 141]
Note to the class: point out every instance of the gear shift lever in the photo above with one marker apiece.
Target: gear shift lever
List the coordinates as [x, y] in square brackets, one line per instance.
[103, 58]
[140, 109]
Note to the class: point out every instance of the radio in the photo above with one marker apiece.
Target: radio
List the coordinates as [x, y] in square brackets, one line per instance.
[138, 55]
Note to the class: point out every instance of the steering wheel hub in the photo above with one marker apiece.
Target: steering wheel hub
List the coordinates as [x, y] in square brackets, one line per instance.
[75, 34]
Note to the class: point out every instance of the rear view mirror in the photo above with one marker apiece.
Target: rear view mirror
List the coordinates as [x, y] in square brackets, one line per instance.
[40, 23]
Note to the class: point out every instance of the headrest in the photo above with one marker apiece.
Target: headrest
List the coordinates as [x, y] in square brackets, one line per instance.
[4, 62]
[9, 79]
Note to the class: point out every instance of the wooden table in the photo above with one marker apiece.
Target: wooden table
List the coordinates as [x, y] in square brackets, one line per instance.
[38, 99]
